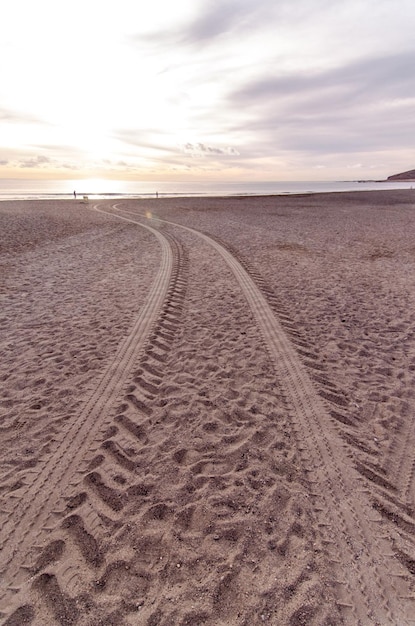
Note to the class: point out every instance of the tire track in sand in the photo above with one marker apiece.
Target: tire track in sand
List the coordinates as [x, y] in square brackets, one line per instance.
[372, 585]
[392, 483]
[75, 558]
[33, 508]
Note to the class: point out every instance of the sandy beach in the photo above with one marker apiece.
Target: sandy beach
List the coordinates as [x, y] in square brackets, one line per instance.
[207, 411]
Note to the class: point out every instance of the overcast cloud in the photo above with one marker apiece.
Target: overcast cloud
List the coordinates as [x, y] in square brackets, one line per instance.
[201, 89]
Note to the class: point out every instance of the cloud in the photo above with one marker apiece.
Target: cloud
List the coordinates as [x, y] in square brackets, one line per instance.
[216, 19]
[155, 142]
[14, 116]
[201, 149]
[362, 105]
[142, 138]
[54, 149]
[7, 115]
[68, 166]
[213, 20]
[358, 81]
[35, 162]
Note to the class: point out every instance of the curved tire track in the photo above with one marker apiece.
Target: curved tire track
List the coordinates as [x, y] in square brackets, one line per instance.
[33, 508]
[373, 588]
[390, 479]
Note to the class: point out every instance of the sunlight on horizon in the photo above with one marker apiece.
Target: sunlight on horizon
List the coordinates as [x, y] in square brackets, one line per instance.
[97, 186]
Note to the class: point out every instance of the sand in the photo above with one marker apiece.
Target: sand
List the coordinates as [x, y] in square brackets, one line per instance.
[207, 411]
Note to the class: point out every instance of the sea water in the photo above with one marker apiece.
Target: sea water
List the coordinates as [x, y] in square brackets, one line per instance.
[25, 189]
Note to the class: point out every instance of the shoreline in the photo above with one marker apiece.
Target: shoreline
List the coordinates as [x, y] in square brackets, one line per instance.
[229, 190]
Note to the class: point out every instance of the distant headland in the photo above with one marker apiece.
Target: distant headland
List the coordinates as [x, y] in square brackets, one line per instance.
[410, 175]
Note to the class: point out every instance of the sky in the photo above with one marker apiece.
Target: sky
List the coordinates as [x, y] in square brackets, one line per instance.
[207, 90]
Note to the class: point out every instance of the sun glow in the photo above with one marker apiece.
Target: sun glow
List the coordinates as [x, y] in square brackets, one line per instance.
[97, 186]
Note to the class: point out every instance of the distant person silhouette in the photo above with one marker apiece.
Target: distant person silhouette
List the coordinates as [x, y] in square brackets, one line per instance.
[74, 194]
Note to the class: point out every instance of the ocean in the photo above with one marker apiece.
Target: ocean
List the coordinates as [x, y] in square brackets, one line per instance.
[24, 189]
